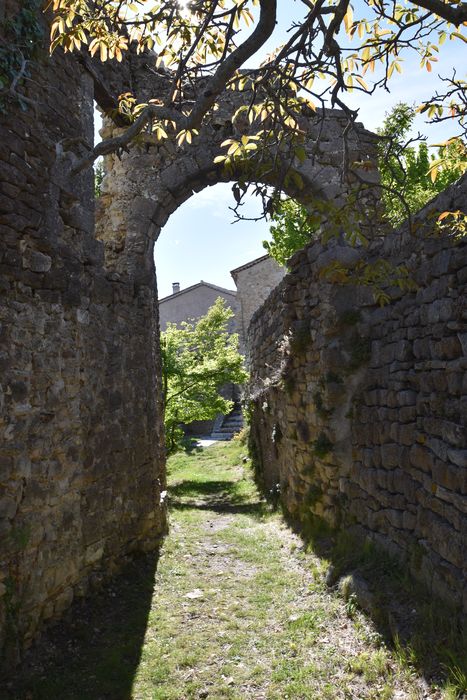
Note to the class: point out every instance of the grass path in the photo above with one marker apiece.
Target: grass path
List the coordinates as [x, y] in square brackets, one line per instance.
[239, 610]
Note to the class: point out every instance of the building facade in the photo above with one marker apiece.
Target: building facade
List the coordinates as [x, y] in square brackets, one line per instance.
[254, 281]
[193, 302]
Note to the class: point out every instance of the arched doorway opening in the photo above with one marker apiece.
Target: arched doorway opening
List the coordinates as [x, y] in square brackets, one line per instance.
[203, 241]
[212, 272]
[145, 187]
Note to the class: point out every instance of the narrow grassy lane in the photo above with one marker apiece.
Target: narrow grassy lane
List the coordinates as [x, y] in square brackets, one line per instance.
[241, 611]
[238, 609]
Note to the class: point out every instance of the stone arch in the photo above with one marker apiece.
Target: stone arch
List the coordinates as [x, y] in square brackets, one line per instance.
[145, 186]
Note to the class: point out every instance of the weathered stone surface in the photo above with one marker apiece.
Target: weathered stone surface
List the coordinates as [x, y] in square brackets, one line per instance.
[354, 586]
[458, 457]
[400, 470]
[37, 262]
[71, 332]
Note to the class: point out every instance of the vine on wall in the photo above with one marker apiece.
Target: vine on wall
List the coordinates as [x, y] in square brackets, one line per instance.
[20, 41]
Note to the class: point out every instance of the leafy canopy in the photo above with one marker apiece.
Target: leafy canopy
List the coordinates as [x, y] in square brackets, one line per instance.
[292, 229]
[197, 359]
[334, 49]
[410, 174]
[410, 177]
[296, 224]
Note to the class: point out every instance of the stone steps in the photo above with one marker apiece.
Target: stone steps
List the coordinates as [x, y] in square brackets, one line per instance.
[231, 424]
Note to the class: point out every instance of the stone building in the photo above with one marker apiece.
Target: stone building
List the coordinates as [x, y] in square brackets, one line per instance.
[254, 281]
[193, 302]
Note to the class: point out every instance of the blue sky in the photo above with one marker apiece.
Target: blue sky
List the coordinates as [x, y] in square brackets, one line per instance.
[200, 242]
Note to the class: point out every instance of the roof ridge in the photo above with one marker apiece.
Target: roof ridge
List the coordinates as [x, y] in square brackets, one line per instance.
[249, 264]
[198, 284]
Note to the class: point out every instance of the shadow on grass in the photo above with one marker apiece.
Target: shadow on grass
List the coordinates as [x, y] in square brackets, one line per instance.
[256, 510]
[204, 488]
[95, 652]
[230, 491]
[425, 633]
[218, 496]
[191, 447]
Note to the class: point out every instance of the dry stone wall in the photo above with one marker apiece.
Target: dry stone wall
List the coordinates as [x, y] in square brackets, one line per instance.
[81, 467]
[359, 412]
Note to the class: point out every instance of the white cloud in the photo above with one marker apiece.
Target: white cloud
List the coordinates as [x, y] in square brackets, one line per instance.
[217, 199]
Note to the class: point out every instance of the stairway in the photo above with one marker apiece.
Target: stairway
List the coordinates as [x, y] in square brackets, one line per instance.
[226, 427]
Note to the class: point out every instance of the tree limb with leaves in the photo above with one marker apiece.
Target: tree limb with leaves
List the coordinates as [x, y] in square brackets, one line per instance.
[329, 53]
[411, 175]
[292, 228]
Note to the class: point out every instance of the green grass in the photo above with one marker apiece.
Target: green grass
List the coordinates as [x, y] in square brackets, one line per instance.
[427, 638]
[236, 609]
[422, 632]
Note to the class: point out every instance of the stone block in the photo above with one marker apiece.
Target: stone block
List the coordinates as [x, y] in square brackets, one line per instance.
[421, 458]
[447, 348]
[390, 455]
[403, 351]
[440, 263]
[453, 433]
[407, 433]
[8, 507]
[63, 601]
[408, 520]
[421, 348]
[458, 457]
[395, 517]
[455, 382]
[463, 341]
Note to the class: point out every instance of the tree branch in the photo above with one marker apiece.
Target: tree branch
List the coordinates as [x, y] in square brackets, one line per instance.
[262, 32]
[456, 15]
[214, 88]
[117, 143]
